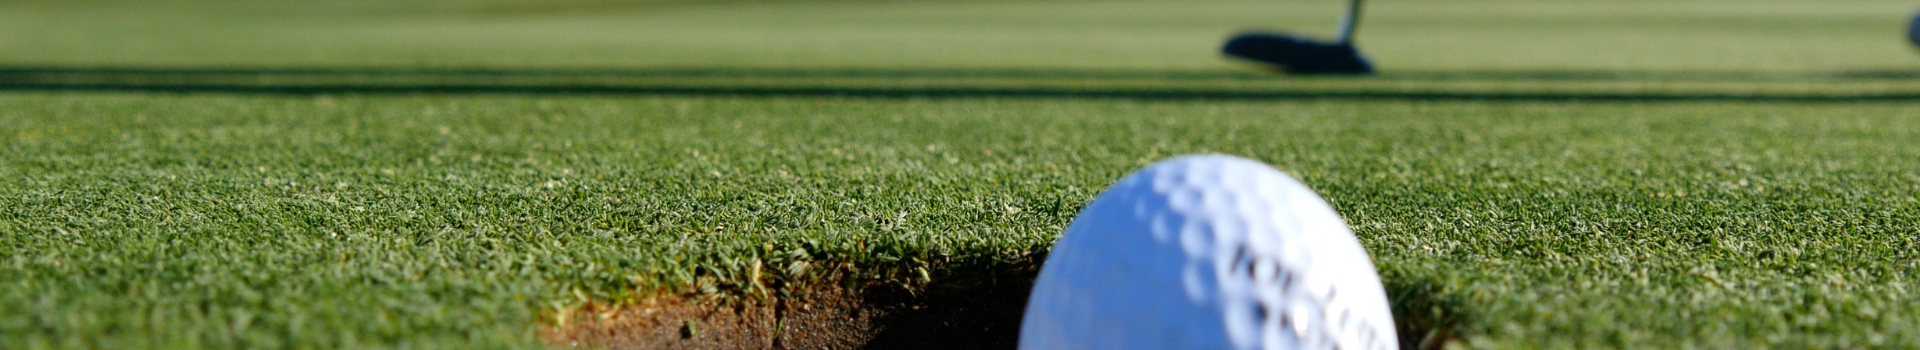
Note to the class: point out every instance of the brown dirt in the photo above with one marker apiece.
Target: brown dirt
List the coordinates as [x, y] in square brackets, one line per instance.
[834, 314]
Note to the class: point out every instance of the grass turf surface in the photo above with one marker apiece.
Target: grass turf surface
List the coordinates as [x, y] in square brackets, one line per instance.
[1622, 174]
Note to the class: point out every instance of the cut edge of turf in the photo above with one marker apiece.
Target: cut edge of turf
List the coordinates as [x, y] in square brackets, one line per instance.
[838, 309]
[844, 308]
[1425, 318]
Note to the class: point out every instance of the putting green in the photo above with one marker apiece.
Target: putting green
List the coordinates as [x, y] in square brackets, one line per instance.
[1627, 174]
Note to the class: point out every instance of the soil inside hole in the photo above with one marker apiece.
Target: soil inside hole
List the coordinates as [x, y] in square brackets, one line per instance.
[958, 313]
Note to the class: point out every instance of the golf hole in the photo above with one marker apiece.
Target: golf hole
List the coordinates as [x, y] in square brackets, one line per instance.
[969, 312]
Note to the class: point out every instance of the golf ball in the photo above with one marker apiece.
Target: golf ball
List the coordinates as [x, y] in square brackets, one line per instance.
[1208, 252]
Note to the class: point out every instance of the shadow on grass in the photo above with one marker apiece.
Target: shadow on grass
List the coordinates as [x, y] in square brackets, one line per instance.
[980, 315]
[984, 312]
[797, 83]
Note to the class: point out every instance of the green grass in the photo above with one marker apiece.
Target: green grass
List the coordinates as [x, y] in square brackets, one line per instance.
[1716, 174]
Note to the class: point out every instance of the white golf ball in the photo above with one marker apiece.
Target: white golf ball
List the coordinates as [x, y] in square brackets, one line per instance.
[1208, 252]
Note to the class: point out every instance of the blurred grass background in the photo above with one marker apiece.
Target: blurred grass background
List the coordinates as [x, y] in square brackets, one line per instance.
[1400, 35]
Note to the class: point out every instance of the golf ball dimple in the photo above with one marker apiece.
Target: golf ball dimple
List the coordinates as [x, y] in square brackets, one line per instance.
[1208, 252]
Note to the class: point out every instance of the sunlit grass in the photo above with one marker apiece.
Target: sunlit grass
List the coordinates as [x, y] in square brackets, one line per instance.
[450, 182]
